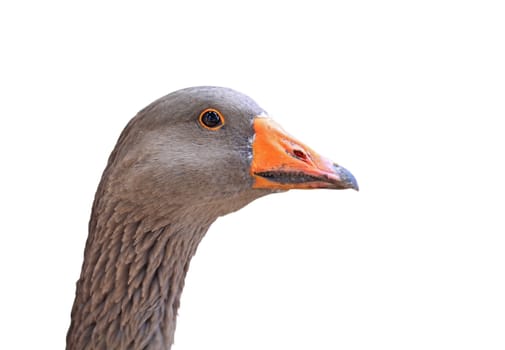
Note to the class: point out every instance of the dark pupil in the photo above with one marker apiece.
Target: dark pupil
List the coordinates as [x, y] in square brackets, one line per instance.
[211, 119]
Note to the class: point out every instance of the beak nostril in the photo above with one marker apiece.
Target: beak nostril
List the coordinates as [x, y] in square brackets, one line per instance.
[299, 154]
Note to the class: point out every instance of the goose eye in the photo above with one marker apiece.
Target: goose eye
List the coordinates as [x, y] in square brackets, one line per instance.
[211, 119]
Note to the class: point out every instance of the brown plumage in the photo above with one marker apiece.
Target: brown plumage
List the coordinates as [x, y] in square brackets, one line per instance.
[167, 180]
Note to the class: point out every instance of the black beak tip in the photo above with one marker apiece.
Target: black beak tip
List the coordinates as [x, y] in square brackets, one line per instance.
[347, 178]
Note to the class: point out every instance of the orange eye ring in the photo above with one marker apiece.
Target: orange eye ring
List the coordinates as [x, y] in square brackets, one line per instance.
[211, 119]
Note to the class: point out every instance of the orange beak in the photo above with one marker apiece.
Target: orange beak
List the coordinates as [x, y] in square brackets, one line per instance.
[282, 162]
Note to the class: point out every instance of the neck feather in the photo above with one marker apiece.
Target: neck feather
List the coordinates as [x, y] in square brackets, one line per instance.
[132, 278]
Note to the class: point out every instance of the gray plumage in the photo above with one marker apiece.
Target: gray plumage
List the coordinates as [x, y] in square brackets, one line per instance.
[166, 181]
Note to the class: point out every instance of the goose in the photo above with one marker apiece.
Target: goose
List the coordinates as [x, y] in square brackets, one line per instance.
[183, 161]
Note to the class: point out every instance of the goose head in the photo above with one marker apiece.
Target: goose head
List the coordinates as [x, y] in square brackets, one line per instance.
[215, 146]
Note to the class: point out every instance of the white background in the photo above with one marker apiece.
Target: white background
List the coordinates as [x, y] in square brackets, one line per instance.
[408, 95]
